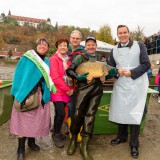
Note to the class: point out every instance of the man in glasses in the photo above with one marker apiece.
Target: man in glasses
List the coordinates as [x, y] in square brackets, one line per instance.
[74, 49]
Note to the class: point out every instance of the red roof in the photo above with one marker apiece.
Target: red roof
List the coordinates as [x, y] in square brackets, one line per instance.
[35, 20]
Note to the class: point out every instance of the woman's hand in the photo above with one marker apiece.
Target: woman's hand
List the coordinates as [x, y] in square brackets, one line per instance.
[70, 92]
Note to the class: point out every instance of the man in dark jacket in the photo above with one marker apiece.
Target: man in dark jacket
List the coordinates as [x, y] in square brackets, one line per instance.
[130, 89]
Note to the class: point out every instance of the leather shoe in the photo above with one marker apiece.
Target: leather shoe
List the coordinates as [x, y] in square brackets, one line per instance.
[134, 152]
[118, 141]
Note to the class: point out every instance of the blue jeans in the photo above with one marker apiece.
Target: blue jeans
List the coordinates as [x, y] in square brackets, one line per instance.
[149, 73]
[71, 105]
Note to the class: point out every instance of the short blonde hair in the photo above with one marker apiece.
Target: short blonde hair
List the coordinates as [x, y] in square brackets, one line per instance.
[76, 31]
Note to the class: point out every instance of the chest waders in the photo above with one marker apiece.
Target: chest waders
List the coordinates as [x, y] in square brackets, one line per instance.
[87, 99]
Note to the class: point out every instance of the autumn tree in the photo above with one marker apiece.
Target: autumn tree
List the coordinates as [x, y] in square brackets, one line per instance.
[26, 36]
[43, 27]
[138, 34]
[10, 53]
[8, 20]
[3, 16]
[1, 42]
[105, 35]
[85, 32]
[49, 20]
[56, 26]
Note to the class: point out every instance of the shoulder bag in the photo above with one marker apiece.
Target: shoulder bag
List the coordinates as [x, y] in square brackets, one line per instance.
[32, 102]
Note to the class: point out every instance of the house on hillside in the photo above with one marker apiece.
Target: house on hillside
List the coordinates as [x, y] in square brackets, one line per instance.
[28, 20]
[17, 50]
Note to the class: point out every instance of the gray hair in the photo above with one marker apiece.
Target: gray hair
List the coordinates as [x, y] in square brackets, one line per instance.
[76, 31]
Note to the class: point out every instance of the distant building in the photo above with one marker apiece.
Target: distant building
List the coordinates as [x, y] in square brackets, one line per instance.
[22, 21]
[17, 50]
[15, 54]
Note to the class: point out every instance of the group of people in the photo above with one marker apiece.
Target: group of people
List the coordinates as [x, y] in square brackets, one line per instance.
[156, 81]
[153, 43]
[128, 62]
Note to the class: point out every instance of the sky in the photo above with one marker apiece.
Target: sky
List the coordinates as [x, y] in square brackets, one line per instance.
[91, 14]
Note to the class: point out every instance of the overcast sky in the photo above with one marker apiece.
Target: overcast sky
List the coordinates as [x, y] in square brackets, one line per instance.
[90, 13]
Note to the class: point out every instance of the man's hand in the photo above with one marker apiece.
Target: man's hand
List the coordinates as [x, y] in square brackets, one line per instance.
[127, 73]
[82, 77]
[111, 73]
[121, 72]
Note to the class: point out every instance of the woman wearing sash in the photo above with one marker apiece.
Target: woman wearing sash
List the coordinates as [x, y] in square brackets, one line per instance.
[59, 62]
[27, 80]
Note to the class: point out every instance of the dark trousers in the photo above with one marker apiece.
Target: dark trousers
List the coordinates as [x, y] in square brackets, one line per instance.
[59, 116]
[134, 133]
[87, 99]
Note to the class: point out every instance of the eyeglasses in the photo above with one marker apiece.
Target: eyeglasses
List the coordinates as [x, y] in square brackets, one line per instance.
[75, 38]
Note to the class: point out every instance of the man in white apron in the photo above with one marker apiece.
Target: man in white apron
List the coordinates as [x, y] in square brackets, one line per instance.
[130, 88]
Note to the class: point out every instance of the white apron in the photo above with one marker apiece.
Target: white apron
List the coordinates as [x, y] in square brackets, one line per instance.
[129, 96]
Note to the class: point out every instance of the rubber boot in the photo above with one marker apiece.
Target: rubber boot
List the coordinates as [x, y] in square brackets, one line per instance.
[72, 146]
[32, 145]
[21, 148]
[57, 140]
[84, 148]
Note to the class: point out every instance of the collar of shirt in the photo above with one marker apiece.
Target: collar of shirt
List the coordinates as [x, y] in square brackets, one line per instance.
[94, 58]
[124, 45]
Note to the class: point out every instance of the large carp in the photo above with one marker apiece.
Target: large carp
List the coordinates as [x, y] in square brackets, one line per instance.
[96, 69]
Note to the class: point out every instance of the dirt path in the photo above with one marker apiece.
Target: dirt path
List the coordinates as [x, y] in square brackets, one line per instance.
[100, 146]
